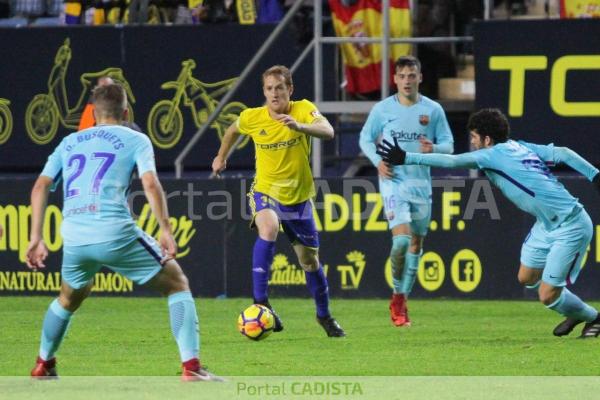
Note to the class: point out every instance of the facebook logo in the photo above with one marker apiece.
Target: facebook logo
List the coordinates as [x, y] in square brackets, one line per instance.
[466, 270]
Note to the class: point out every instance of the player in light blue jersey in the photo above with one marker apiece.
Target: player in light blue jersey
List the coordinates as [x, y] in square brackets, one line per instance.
[419, 125]
[95, 166]
[553, 251]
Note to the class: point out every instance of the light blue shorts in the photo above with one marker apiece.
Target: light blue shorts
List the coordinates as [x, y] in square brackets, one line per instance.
[137, 259]
[559, 252]
[399, 210]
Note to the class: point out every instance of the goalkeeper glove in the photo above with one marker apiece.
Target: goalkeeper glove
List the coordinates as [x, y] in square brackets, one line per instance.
[391, 153]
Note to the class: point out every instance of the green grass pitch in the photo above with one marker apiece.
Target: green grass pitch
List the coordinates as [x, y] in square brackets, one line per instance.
[130, 337]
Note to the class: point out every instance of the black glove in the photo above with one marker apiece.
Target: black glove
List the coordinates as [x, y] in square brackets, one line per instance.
[391, 153]
[596, 181]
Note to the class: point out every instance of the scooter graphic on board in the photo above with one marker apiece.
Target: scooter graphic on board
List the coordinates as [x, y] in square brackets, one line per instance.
[165, 121]
[45, 111]
[6, 121]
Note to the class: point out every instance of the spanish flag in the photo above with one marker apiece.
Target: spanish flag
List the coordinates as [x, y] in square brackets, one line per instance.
[362, 61]
[580, 8]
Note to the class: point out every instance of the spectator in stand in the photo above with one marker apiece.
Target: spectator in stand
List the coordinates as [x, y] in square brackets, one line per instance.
[32, 9]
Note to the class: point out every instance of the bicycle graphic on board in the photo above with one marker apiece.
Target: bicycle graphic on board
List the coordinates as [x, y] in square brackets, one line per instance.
[165, 121]
[6, 120]
[45, 111]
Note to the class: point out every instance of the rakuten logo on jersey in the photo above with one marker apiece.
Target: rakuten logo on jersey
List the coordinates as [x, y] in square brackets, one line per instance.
[403, 136]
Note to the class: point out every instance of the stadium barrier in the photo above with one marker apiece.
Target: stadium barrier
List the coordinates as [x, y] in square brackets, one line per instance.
[472, 250]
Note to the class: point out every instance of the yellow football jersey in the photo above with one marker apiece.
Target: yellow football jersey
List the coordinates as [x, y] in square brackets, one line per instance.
[282, 154]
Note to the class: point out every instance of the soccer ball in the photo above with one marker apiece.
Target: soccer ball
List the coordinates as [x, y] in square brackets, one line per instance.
[256, 322]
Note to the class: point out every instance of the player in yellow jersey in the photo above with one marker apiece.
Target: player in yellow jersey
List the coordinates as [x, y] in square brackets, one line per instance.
[283, 186]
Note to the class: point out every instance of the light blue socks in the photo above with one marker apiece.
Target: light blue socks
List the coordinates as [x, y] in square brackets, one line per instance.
[399, 249]
[54, 328]
[572, 306]
[184, 324]
[411, 265]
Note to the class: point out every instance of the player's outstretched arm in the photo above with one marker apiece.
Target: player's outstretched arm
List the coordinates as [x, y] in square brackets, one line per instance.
[219, 163]
[394, 155]
[575, 161]
[158, 203]
[37, 251]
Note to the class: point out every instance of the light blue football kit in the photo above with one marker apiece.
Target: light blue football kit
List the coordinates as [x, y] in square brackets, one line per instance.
[96, 166]
[563, 230]
[407, 195]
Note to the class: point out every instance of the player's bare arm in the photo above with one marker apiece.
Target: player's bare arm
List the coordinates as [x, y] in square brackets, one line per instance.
[219, 163]
[427, 146]
[37, 250]
[385, 170]
[158, 203]
[320, 128]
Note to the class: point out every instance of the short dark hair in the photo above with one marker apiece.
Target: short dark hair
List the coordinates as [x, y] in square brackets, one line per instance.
[110, 100]
[490, 122]
[279, 70]
[407, 61]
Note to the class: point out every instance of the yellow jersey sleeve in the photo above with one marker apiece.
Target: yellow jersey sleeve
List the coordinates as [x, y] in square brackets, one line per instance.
[242, 123]
[308, 112]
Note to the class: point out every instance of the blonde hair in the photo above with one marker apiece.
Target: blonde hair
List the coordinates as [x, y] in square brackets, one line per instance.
[279, 70]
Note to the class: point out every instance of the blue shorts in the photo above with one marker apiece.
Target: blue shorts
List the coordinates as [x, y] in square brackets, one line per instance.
[297, 220]
[399, 210]
[558, 252]
[137, 259]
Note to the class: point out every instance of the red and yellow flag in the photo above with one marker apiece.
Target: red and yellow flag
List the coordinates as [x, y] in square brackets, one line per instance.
[362, 61]
[580, 8]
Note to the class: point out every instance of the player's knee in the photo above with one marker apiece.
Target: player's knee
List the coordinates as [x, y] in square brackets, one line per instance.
[182, 282]
[69, 303]
[311, 267]
[268, 230]
[71, 299]
[528, 279]
[416, 244]
[549, 294]
[175, 281]
[179, 283]
[309, 262]
[525, 279]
